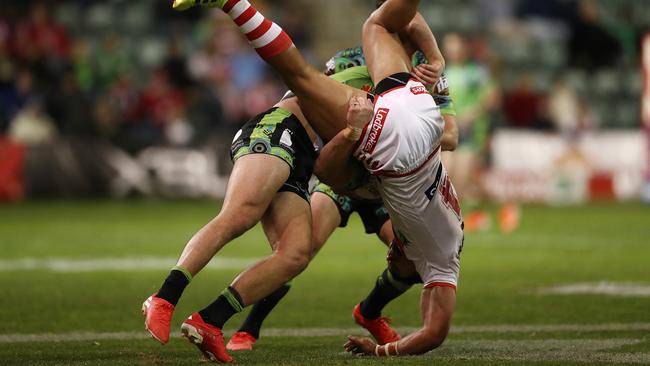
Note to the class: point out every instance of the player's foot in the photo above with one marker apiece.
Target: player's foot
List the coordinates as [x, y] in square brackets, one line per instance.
[509, 216]
[207, 338]
[241, 341]
[379, 328]
[186, 4]
[157, 317]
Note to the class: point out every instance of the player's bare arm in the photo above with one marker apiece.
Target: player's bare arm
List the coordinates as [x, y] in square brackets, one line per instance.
[430, 336]
[335, 166]
[449, 141]
[418, 36]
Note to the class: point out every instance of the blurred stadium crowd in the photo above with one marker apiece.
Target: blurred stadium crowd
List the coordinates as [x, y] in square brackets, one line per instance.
[134, 74]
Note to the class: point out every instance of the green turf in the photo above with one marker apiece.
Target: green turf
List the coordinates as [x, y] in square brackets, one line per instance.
[500, 282]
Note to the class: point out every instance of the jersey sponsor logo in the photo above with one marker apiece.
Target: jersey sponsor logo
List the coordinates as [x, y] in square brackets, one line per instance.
[237, 135]
[286, 138]
[431, 191]
[442, 87]
[419, 89]
[375, 130]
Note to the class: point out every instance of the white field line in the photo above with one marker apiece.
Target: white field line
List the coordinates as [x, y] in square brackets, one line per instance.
[627, 289]
[112, 264]
[77, 336]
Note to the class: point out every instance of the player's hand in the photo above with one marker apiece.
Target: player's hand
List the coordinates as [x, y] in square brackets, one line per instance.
[428, 74]
[360, 346]
[360, 112]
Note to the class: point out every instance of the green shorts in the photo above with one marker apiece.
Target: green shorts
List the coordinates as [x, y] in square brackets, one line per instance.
[279, 133]
[372, 212]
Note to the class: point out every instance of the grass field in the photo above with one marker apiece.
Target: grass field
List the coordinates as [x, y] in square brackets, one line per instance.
[73, 277]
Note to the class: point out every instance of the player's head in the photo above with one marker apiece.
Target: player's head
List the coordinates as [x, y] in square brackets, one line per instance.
[345, 59]
[455, 48]
[380, 3]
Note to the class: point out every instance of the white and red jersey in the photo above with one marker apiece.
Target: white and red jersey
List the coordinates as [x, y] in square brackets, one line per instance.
[406, 129]
[401, 146]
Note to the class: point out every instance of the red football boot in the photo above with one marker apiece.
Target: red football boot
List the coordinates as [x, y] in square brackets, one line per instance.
[158, 315]
[241, 341]
[379, 328]
[207, 338]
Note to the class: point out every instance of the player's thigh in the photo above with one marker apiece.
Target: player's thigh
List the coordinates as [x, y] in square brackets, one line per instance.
[326, 218]
[287, 224]
[325, 103]
[384, 52]
[399, 264]
[253, 183]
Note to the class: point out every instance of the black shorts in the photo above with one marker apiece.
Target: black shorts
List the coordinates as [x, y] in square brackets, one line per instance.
[279, 133]
[373, 213]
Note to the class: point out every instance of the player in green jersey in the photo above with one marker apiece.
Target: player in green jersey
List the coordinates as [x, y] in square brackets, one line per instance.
[264, 153]
[331, 210]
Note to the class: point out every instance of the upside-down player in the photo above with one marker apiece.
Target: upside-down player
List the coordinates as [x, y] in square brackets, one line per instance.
[396, 146]
[331, 210]
[273, 150]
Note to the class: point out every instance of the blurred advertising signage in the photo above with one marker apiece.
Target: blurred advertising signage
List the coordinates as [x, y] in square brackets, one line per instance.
[545, 167]
[645, 106]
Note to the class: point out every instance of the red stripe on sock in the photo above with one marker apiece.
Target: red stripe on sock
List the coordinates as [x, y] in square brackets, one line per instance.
[229, 5]
[259, 31]
[245, 16]
[282, 43]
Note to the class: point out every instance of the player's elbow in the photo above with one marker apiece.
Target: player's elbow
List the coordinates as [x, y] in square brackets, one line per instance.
[430, 341]
[430, 338]
[320, 170]
[449, 143]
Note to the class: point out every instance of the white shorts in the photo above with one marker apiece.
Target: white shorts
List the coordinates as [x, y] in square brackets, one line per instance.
[429, 229]
[402, 147]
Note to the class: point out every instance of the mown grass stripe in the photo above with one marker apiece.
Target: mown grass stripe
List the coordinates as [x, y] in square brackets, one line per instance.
[77, 336]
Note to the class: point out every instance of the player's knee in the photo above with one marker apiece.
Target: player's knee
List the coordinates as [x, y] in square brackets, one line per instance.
[296, 260]
[401, 267]
[241, 221]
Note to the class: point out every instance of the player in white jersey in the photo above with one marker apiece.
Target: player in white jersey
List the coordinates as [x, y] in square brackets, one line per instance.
[401, 146]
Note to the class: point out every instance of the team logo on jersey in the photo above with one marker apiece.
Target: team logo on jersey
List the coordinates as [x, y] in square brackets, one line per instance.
[375, 130]
[260, 147]
[419, 89]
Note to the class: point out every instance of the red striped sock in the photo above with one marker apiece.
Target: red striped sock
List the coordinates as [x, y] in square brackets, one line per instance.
[268, 39]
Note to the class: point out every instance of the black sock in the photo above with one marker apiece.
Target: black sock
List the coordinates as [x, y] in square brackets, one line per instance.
[223, 308]
[173, 287]
[261, 310]
[387, 288]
